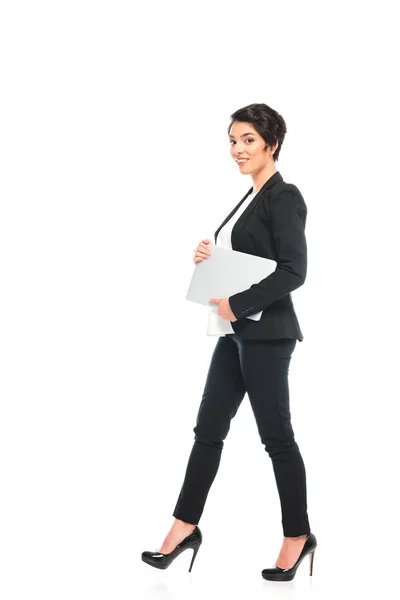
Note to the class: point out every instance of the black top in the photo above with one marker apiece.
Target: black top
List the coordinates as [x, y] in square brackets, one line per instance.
[272, 226]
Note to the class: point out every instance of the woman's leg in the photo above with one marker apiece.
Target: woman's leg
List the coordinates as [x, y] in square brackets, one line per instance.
[223, 392]
[265, 368]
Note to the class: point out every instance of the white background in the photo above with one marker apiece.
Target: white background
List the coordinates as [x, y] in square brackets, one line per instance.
[114, 164]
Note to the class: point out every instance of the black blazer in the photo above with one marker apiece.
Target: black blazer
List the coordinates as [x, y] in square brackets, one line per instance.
[272, 226]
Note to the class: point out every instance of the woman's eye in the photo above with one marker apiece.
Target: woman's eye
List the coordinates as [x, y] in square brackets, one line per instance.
[247, 140]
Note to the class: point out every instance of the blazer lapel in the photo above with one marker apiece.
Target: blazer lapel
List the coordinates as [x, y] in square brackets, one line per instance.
[231, 214]
[243, 217]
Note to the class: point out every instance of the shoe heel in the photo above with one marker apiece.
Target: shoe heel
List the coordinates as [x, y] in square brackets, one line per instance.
[311, 562]
[195, 551]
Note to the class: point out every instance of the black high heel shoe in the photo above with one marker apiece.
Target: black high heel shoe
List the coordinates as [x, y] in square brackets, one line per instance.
[162, 561]
[278, 574]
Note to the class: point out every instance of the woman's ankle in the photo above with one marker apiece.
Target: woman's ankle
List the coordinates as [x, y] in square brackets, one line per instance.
[182, 524]
[296, 538]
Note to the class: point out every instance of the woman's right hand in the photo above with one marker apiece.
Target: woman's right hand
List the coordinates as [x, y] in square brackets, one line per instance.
[202, 251]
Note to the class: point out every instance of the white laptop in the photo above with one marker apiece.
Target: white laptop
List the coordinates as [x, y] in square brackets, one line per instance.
[226, 272]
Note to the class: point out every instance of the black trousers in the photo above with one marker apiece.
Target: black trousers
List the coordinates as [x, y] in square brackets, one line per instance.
[260, 368]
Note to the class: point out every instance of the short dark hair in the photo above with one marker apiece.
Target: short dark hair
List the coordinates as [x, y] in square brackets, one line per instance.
[266, 121]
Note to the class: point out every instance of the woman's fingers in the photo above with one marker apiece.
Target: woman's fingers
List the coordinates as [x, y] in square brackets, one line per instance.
[202, 251]
[204, 247]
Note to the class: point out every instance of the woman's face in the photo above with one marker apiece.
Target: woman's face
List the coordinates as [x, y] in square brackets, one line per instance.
[248, 144]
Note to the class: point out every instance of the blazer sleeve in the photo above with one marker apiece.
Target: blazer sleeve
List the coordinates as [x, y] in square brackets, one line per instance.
[288, 215]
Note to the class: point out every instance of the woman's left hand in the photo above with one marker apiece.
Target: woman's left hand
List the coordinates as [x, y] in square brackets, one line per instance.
[224, 308]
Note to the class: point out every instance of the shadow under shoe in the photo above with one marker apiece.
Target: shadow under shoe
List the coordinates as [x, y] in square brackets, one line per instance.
[278, 574]
[162, 561]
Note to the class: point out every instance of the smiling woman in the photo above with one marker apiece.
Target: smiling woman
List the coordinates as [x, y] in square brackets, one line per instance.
[258, 142]
[258, 331]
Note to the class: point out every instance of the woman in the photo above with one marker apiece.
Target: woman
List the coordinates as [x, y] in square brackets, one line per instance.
[258, 331]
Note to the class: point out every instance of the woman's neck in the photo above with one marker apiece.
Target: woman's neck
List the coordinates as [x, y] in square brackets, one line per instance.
[262, 177]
